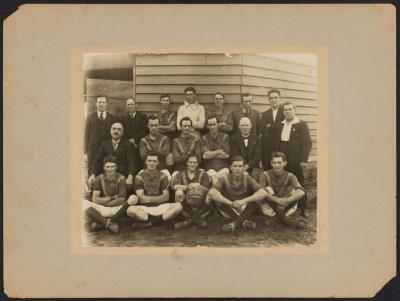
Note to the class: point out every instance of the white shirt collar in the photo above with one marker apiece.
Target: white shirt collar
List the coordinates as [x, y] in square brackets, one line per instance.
[104, 114]
[190, 104]
[294, 121]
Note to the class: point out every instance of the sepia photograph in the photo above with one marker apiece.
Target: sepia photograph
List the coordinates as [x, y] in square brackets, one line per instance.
[200, 149]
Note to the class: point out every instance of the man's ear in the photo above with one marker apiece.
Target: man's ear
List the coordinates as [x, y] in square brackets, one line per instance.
[284, 163]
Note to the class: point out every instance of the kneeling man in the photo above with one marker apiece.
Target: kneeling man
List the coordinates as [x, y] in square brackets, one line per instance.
[284, 192]
[150, 206]
[191, 188]
[236, 195]
[109, 194]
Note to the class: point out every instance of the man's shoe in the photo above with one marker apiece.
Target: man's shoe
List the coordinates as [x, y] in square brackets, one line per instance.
[293, 223]
[96, 226]
[250, 225]
[113, 227]
[269, 221]
[229, 228]
[141, 225]
[201, 222]
[181, 225]
[305, 213]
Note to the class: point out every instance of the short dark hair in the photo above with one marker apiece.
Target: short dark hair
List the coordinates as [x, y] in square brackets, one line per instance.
[152, 153]
[101, 96]
[153, 117]
[243, 95]
[190, 89]
[237, 158]
[193, 156]
[185, 119]
[210, 117]
[274, 90]
[219, 93]
[278, 155]
[110, 159]
[165, 95]
[287, 103]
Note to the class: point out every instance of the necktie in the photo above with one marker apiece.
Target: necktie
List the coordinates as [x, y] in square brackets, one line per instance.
[102, 116]
[115, 146]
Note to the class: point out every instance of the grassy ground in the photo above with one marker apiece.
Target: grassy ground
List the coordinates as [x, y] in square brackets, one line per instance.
[212, 236]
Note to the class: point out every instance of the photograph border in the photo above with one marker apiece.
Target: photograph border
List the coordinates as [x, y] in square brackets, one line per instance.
[321, 246]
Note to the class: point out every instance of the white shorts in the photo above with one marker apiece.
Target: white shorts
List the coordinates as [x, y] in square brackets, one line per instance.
[218, 174]
[156, 210]
[265, 208]
[268, 211]
[103, 210]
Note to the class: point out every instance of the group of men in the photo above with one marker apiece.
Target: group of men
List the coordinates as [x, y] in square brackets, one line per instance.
[180, 167]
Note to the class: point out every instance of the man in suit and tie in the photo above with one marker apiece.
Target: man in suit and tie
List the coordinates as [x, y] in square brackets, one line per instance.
[246, 110]
[294, 141]
[246, 144]
[270, 121]
[97, 129]
[135, 127]
[122, 150]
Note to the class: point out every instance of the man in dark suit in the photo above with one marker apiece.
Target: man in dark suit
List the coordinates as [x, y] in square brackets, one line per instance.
[270, 121]
[294, 141]
[135, 127]
[247, 145]
[97, 129]
[122, 150]
[246, 110]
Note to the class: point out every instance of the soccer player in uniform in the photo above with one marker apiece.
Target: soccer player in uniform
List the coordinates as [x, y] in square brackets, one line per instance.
[156, 142]
[284, 192]
[236, 195]
[224, 117]
[191, 188]
[167, 117]
[215, 150]
[109, 194]
[184, 145]
[150, 206]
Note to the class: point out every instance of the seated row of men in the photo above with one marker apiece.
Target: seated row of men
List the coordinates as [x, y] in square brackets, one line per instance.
[134, 135]
[236, 195]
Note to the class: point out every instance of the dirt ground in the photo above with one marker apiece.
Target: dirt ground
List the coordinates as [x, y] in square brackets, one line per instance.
[212, 236]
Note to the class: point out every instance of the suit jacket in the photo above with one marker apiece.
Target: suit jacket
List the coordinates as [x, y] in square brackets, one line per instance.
[135, 127]
[126, 162]
[254, 117]
[251, 153]
[96, 131]
[269, 131]
[298, 148]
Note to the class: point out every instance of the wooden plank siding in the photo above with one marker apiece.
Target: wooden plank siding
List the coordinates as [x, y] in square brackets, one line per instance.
[231, 75]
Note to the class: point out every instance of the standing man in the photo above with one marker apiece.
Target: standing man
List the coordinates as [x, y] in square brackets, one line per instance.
[270, 121]
[236, 196]
[224, 118]
[150, 206]
[97, 129]
[246, 110]
[135, 125]
[184, 145]
[167, 118]
[294, 141]
[156, 143]
[215, 150]
[122, 150]
[192, 109]
[247, 145]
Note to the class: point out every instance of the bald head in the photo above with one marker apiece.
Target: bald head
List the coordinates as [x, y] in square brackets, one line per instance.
[245, 126]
